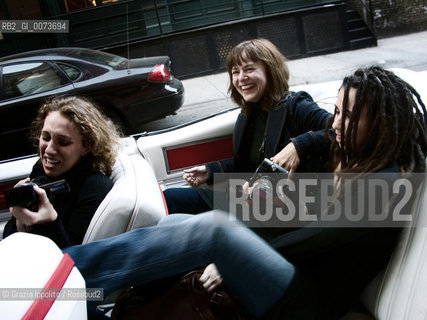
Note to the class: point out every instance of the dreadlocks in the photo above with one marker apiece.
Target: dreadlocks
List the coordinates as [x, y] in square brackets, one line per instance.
[397, 123]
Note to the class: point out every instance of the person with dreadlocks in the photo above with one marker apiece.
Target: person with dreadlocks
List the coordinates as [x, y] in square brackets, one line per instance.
[307, 273]
[378, 104]
[379, 131]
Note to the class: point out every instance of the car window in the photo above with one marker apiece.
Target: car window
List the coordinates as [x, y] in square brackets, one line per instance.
[72, 73]
[115, 62]
[29, 78]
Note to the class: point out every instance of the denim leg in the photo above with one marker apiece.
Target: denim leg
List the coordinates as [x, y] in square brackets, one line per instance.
[254, 272]
[173, 219]
[185, 200]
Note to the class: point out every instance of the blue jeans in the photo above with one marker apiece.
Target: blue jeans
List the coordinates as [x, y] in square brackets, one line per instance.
[185, 200]
[254, 272]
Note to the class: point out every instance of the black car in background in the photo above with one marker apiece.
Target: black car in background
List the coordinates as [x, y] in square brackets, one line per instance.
[130, 91]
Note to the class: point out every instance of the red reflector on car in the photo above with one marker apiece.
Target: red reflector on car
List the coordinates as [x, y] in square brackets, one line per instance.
[160, 73]
[4, 187]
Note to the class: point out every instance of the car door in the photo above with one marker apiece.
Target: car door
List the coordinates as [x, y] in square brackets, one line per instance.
[171, 151]
[24, 87]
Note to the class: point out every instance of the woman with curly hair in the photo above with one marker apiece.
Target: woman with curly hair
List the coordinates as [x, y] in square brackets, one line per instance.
[76, 143]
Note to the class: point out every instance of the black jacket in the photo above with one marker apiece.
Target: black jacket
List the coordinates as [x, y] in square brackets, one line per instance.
[334, 264]
[294, 118]
[75, 209]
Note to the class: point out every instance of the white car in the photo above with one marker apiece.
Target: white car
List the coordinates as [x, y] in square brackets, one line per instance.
[150, 163]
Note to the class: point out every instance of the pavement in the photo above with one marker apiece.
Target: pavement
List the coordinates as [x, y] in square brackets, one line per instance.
[406, 51]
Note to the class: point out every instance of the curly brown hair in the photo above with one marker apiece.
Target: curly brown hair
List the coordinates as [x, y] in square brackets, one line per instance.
[260, 50]
[100, 135]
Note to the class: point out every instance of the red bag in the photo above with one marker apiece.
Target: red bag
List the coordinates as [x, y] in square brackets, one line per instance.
[185, 299]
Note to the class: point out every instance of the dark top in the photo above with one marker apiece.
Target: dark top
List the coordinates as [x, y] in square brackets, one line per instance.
[294, 118]
[75, 209]
[257, 132]
[334, 264]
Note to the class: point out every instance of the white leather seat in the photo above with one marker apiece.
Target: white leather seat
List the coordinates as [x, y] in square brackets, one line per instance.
[134, 201]
[400, 292]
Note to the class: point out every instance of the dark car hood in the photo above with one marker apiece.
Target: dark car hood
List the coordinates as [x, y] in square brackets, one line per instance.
[149, 61]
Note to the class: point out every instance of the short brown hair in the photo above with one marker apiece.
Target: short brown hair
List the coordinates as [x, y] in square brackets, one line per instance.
[261, 50]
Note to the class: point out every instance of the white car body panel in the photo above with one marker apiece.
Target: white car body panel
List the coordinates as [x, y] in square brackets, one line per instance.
[152, 147]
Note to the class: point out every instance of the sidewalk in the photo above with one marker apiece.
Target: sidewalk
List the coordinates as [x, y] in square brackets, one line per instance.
[408, 51]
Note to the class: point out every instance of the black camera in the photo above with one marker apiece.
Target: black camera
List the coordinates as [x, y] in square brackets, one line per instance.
[25, 196]
[267, 166]
[264, 179]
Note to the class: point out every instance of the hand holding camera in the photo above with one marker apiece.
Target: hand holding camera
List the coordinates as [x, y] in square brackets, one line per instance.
[24, 194]
[264, 178]
[29, 202]
[288, 158]
[265, 168]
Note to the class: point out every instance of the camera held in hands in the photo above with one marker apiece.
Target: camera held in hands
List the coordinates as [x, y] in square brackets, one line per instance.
[265, 177]
[267, 166]
[25, 196]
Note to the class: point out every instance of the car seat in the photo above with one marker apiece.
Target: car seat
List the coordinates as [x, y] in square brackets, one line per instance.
[135, 200]
[400, 292]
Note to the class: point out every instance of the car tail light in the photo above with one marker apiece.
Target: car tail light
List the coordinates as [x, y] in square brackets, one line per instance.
[160, 73]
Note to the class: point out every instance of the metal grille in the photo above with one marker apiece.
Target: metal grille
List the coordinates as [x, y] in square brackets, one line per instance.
[157, 48]
[190, 54]
[283, 33]
[224, 46]
[226, 40]
[322, 31]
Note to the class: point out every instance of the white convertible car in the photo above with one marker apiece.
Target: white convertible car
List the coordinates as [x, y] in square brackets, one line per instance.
[151, 162]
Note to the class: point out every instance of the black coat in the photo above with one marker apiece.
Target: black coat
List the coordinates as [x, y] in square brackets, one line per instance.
[294, 118]
[75, 209]
[334, 264]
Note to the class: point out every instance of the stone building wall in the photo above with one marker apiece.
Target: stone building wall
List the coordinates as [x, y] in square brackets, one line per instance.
[395, 17]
